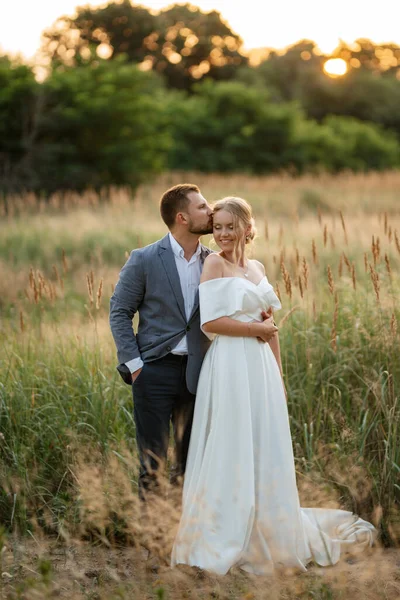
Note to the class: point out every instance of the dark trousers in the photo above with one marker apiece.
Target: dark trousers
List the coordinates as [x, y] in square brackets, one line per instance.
[160, 396]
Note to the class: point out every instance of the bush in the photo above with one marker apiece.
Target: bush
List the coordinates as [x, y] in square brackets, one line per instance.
[342, 143]
[231, 127]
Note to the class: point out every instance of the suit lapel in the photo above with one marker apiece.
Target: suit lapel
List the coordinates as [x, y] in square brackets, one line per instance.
[168, 261]
[204, 253]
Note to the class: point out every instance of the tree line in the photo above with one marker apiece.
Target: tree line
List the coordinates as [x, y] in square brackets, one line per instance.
[129, 94]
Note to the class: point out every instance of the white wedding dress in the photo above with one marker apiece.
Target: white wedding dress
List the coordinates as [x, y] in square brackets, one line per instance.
[240, 500]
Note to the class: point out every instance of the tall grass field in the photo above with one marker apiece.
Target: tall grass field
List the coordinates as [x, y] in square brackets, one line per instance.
[71, 524]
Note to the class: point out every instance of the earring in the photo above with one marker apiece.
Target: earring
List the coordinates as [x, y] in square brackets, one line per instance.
[247, 238]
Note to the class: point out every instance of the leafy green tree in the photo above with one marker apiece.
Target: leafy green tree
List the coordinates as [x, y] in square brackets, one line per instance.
[359, 94]
[289, 73]
[365, 55]
[118, 28]
[181, 42]
[366, 145]
[18, 109]
[227, 126]
[230, 127]
[194, 44]
[344, 143]
[99, 126]
[370, 91]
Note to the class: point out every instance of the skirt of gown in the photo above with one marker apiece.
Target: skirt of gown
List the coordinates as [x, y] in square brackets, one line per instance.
[240, 500]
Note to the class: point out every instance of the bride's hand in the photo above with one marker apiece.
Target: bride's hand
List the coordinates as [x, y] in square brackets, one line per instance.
[266, 330]
[266, 314]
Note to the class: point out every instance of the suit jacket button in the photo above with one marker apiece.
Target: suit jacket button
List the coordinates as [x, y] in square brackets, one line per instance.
[187, 327]
[168, 348]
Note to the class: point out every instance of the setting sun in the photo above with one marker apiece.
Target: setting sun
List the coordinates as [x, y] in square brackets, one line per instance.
[335, 67]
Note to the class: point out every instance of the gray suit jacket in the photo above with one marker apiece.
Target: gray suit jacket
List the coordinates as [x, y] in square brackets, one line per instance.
[149, 283]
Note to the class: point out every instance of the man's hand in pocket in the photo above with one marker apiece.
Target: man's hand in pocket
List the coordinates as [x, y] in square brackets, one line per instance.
[136, 374]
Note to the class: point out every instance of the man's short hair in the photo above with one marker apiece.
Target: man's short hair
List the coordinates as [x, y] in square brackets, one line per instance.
[175, 200]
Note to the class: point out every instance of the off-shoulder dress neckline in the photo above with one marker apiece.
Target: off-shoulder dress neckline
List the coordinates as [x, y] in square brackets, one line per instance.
[235, 277]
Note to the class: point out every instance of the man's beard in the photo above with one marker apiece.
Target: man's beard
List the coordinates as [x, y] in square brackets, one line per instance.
[201, 229]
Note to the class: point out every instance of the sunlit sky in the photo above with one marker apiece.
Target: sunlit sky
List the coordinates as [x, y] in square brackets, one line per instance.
[260, 23]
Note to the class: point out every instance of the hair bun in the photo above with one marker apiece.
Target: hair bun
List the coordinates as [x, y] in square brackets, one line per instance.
[252, 233]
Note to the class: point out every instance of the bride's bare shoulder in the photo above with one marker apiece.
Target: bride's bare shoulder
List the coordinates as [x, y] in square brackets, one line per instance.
[213, 257]
[258, 265]
[213, 267]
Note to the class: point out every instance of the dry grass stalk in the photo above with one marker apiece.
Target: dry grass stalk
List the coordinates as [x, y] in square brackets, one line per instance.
[42, 284]
[301, 287]
[353, 276]
[297, 258]
[99, 294]
[35, 291]
[390, 234]
[306, 272]
[282, 256]
[385, 222]
[31, 278]
[348, 264]
[376, 249]
[397, 241]
[89, 288]
[314, 252]
[344, 228]
[388, 268]
[266, 232]
[64, 261]
[288, 314]
[314, 309]
[57, 277]
[325, 235]
[334, 324]
[365, 262]
[287, 280]
[21, 321]
[52, 292]
[278, 291]
[393, 325]
[331, 282]
[332, 241]
[373, 250]
[375, 281]
[319, 215]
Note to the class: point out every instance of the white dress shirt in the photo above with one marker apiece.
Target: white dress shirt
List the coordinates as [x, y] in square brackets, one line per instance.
[189, 274]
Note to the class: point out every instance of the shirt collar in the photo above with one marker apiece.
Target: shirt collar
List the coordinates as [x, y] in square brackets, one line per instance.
[177, 248]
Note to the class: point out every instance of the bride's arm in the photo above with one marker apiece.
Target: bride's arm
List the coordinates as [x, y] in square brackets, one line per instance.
[213, 269]
[228, 326]
[275, 347]
[276, 350]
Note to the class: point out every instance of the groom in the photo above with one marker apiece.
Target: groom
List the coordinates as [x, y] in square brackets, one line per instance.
[163, 360]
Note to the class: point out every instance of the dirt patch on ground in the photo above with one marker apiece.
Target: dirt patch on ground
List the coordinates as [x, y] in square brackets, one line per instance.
[41, 569]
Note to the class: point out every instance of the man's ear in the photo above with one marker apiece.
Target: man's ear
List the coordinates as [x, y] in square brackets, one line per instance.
[181, 219]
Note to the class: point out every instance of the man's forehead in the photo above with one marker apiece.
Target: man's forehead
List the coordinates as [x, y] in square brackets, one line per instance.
[196, 198]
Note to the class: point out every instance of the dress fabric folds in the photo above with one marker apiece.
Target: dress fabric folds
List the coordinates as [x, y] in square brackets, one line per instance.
[240, 500]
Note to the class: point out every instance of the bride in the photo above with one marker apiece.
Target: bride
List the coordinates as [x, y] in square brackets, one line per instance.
[240, 500]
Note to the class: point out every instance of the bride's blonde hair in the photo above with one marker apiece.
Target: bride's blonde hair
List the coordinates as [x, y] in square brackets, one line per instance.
[242, 219]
